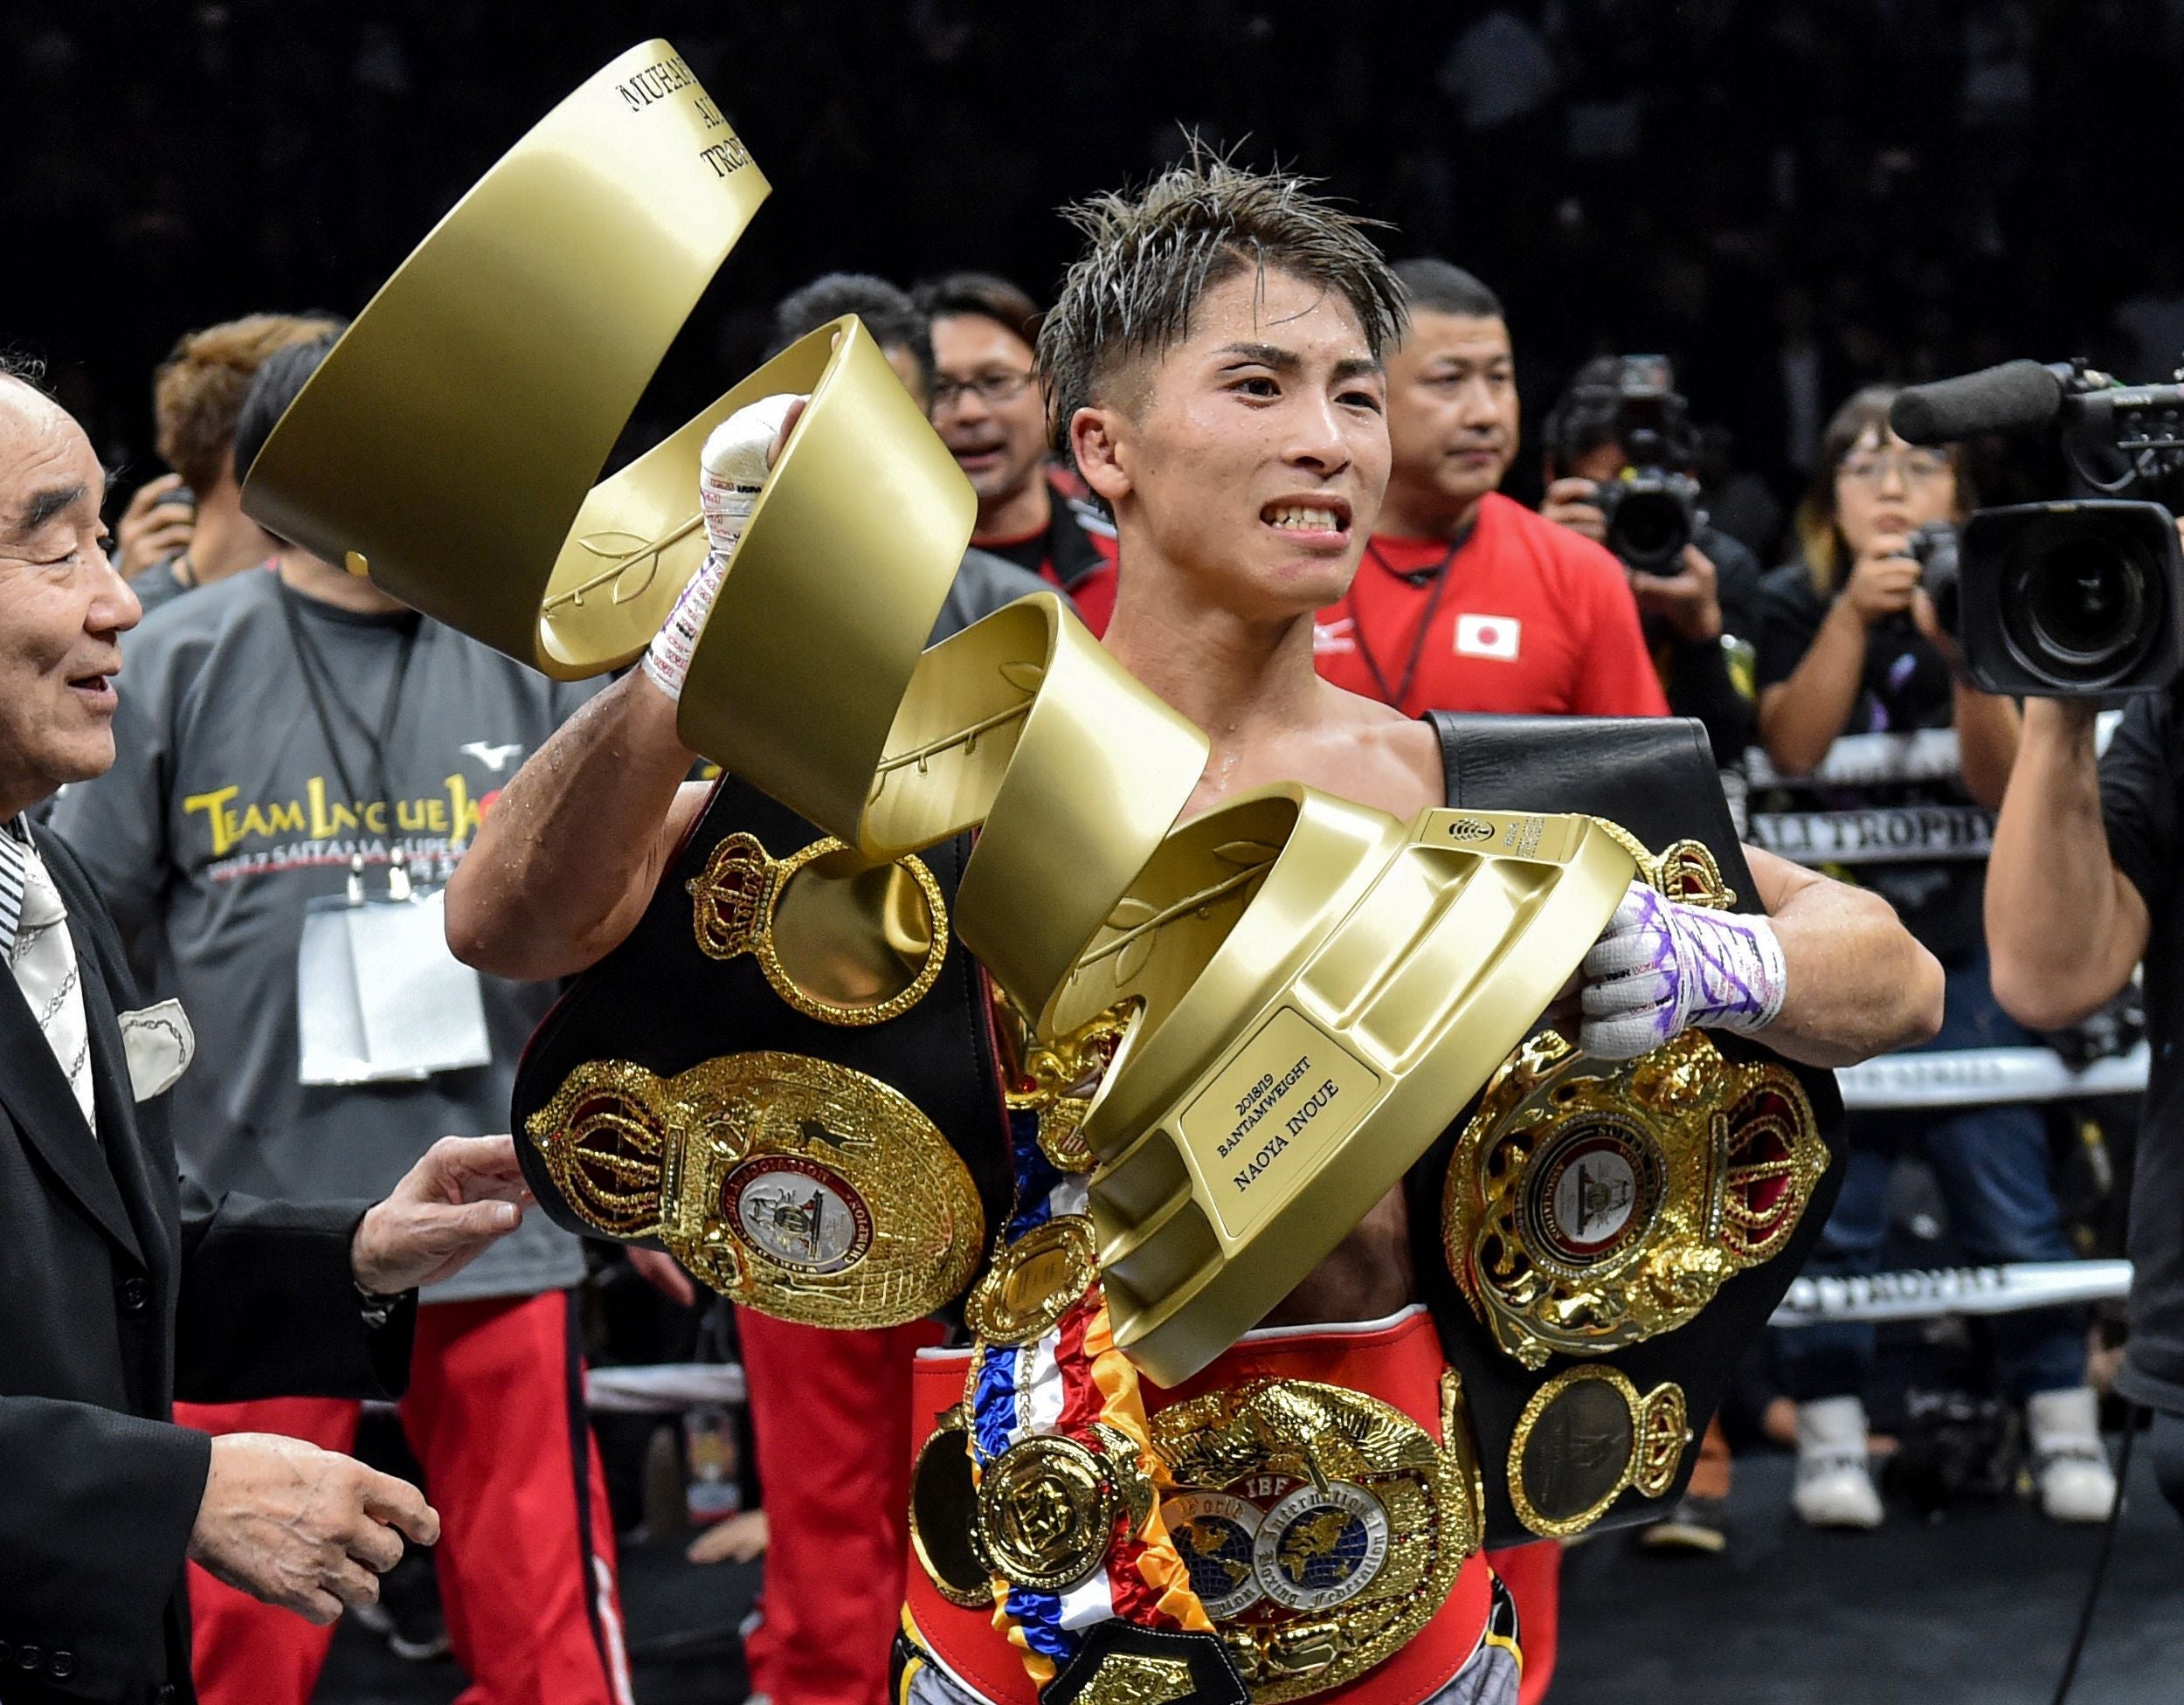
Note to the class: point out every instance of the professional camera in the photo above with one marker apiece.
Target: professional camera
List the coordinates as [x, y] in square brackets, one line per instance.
[1935, 548]
[2084, 596]
[1652, 507]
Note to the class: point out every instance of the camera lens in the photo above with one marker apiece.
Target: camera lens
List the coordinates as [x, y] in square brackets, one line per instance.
[2076, 605]
[1650, 530]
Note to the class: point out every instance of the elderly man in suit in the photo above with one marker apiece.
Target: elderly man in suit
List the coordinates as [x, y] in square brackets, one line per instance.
[124, 1286]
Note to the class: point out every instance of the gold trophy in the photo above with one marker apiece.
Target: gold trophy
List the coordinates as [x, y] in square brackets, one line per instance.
[1312, 992]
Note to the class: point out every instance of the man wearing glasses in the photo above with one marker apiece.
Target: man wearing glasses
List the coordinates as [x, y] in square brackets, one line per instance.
[990, 413]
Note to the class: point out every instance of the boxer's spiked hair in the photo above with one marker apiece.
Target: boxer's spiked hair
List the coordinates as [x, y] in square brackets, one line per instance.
[1152, 253]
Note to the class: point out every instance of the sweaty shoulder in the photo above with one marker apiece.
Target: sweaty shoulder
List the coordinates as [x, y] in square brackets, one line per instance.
[1382, 757]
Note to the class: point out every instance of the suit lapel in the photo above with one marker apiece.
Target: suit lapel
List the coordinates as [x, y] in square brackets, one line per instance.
[34, 1089]
[116, 1095]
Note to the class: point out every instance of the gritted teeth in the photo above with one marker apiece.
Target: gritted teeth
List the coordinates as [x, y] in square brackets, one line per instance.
[1305, 518]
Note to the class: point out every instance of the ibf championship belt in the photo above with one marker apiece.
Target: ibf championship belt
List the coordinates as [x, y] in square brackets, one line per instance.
[1297, 993]
[1319, 1488]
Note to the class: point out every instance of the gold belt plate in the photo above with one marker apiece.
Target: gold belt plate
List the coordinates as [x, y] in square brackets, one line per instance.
[1042, 1514]
[1586, 1437]
[837, 938]
[799, 1188]
[1032, 1282]
[1321, 1527]
[1593, 1203]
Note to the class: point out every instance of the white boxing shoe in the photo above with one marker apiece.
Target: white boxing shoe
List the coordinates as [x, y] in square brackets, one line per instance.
[2069, 1462]
[1834, 1476]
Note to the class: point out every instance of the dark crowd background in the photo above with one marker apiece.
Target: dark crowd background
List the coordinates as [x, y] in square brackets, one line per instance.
[1867, 188]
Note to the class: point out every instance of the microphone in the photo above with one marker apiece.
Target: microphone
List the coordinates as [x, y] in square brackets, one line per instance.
[2017, 397]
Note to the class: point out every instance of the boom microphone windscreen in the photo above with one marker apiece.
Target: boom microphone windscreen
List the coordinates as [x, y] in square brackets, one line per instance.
[2017, 397]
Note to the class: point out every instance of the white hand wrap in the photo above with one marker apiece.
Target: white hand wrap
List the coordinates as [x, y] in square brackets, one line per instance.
[732, 472]
[1661, 967]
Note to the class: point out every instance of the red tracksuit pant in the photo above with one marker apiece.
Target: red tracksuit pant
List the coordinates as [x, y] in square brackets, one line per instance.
[1533, 1575]
[526, 1559]
[830, 1417]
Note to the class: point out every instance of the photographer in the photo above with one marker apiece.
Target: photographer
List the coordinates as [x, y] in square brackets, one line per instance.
[1850, 644]
[2083, 875]
[1698, 599]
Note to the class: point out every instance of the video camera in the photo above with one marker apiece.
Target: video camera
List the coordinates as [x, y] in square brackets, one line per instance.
[1652, 507]
[2082, 596]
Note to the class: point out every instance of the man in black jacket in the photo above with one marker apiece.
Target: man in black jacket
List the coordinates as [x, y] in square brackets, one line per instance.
[124, 1286]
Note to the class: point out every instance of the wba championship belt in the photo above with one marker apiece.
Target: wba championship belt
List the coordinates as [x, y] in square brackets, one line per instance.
[1599, 1241]
[785, 1076]
[1309, 989]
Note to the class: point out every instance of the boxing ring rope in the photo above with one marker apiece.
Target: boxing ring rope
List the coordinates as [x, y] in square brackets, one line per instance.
[1923, 1294]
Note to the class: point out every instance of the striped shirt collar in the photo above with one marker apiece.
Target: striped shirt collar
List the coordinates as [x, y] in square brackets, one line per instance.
[15, 873]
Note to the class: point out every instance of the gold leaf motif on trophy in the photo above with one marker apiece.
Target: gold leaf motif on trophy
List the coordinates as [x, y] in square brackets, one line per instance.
[1140, 922]
[1249, 853]
[632, 562]
[1137, 920]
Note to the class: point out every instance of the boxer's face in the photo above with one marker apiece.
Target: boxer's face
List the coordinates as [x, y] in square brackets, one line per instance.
[63, 609]
[1246, 465]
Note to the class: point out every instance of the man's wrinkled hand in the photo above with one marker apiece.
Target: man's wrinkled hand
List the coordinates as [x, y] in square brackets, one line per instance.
[151, 529]
[466, 1193]
[302, 1528]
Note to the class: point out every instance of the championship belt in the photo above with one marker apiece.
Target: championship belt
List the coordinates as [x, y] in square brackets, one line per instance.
[1599, 1241]
[1318, 1487]
[785, 1076]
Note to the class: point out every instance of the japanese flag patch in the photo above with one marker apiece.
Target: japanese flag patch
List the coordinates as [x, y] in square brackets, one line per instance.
[1487, 636]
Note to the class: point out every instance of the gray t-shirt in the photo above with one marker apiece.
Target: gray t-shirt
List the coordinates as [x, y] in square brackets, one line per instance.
[224, 815]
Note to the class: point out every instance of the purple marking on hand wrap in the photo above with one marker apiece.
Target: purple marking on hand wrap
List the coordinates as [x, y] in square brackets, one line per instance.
[1707, 967]
[1728, 965]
